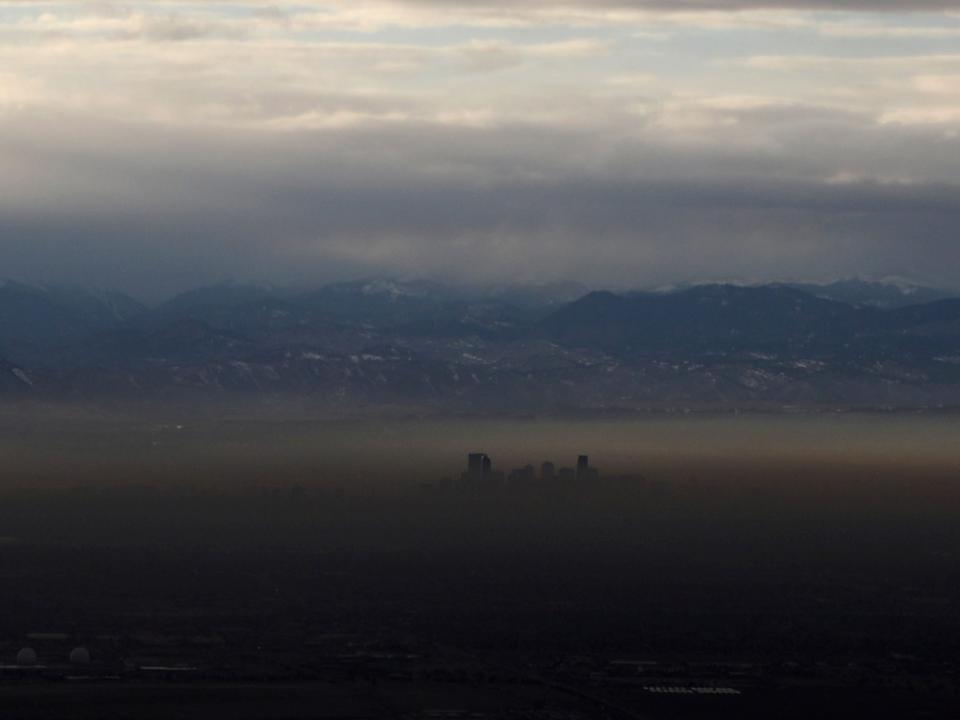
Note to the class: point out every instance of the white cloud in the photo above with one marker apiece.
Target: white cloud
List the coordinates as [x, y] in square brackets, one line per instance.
[478, 135]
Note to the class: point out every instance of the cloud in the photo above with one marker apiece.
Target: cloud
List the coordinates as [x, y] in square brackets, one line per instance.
[173, 20]
[155, 146]
[845, 5]
[279, 11]
[156, 211]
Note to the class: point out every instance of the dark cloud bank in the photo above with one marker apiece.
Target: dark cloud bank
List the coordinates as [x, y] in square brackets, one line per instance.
[153, 211]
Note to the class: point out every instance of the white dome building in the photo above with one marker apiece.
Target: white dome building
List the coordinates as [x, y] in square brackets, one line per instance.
[27, 657]
[80, 656]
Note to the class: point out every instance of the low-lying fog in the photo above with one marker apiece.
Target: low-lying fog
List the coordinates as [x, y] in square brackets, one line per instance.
[839, 532]
[69, 449]
[377, 482]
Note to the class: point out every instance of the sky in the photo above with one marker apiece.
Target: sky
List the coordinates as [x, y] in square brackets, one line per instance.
[157, 146]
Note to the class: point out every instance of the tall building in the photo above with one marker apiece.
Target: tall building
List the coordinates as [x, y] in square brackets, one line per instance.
[548, 472]
[479, 468]
[522, 476]
[585, 473]
[583, 467]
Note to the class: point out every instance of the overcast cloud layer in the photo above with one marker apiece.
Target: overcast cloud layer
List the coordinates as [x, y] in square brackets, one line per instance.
[157, 146]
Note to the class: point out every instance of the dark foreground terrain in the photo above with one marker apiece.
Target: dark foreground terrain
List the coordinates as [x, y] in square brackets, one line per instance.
[738, 587]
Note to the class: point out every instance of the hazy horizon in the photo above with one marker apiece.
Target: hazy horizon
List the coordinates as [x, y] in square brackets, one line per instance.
[230, 449]
[149, 300]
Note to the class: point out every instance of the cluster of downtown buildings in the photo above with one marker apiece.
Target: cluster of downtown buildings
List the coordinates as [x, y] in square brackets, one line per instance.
[480, 472]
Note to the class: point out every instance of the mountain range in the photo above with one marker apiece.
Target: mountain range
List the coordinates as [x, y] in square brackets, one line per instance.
[418, 344]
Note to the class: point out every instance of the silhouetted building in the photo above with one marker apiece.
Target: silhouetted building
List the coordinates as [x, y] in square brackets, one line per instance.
[583, 467]
[480, 473]
[479, 468]
[526, 474]
[585, 473]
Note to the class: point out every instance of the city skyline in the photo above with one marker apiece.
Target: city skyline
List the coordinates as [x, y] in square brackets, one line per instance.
[481, 472]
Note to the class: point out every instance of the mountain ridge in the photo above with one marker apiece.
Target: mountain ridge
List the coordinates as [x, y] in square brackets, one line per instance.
[383, 342]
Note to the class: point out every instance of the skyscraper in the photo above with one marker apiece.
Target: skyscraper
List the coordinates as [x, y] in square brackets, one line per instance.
[548, 472]
[583, 468]
[478, 467]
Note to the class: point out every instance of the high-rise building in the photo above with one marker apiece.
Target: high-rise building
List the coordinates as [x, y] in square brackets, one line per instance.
[583, 467]
[548, 472]
[478, 468]
[522, 476]
[585, 473]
